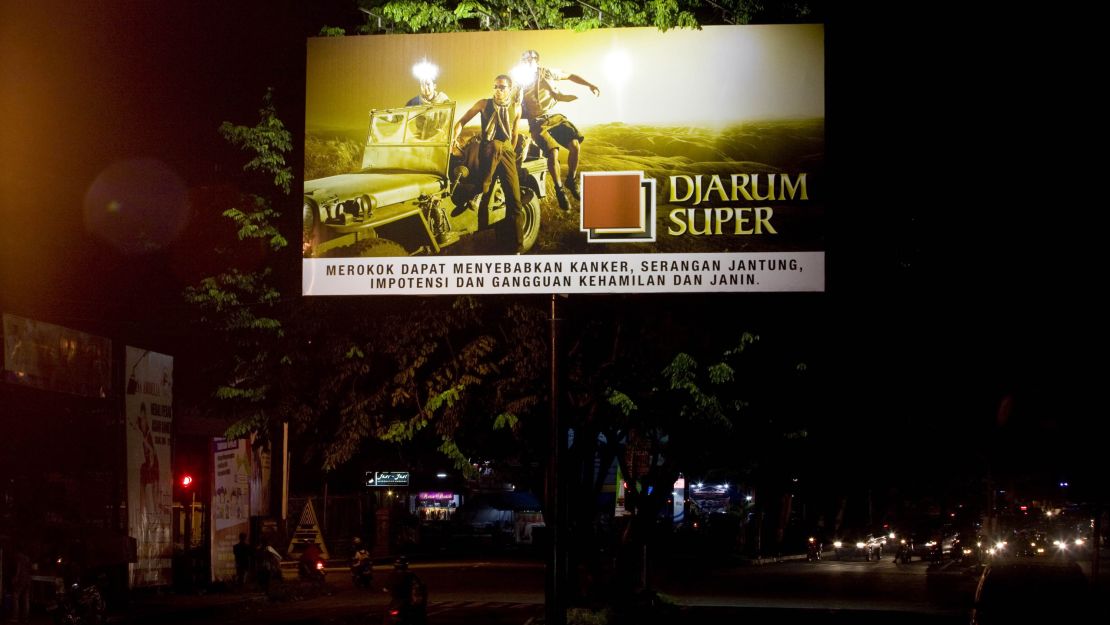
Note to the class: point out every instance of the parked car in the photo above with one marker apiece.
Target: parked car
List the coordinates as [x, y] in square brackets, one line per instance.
[413, 195]
[858, 545]
[1025, 590]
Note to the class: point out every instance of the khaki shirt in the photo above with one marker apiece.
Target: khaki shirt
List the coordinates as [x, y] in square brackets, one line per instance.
[542, 95]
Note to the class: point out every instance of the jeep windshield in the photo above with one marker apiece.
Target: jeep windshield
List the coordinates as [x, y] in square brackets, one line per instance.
[412, 139]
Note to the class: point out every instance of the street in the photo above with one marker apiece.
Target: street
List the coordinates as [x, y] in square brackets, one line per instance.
[510, 592]
[497, 592]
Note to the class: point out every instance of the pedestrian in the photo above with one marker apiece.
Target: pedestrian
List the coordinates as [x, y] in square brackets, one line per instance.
[21, 587]
[242, 553]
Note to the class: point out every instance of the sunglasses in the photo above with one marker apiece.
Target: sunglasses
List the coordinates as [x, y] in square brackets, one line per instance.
[501, 87]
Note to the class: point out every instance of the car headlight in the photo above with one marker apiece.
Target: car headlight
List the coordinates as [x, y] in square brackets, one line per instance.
[860, 545]
[838, 544]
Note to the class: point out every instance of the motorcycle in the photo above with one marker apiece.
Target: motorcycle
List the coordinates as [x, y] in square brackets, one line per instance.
[312, 570]
[77, 605]
[362, 569]
[408, 604]
[405, 614]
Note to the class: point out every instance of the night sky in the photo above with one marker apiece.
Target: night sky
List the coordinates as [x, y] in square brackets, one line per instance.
[949, 286]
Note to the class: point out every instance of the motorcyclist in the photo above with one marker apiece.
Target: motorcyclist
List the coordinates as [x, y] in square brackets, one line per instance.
[362, 567]
[903, 553]
[306, 565]
[813, 548]
[267, 563]
[408, 601]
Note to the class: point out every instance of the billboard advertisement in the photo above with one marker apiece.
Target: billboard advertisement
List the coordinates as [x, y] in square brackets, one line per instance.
[605, 161]
[53, 358]
[148, 406]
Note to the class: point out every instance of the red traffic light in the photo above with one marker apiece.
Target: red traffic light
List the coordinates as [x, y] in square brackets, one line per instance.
[186, 480]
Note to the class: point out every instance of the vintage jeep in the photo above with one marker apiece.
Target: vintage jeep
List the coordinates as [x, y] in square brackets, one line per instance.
[412, 195]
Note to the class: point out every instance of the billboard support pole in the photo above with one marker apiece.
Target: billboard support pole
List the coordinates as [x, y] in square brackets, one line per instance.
[284, 474]
[555, 579]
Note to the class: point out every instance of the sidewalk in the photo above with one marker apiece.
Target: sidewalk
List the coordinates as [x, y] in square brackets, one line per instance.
[166, 606]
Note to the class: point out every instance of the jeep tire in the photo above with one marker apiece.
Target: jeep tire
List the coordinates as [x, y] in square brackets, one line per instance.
[531, 205]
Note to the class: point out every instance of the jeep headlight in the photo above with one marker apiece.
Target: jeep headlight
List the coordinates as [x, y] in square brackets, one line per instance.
[367, 205]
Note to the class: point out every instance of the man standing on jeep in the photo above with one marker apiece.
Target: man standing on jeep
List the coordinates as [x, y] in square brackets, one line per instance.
[539, 94]
[497, 156]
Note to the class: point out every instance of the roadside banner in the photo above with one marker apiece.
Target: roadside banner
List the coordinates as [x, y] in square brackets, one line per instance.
[148, 406]
[230, 509]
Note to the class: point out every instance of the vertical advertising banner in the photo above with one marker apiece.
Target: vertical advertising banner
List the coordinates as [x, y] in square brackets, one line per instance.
[606, 161]
[230, 503]
[148, 406]
[260, 478]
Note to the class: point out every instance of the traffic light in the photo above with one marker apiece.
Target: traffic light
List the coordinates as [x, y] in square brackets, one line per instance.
[186, 481]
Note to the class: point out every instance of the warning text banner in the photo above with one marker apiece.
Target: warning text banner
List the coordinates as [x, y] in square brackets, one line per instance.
[601, 273]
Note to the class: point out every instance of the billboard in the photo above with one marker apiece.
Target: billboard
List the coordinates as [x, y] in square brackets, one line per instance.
[148, 406]
[606, 161]
[54, 358]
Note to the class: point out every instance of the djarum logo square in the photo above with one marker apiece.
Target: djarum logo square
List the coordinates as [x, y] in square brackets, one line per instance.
[618, 207]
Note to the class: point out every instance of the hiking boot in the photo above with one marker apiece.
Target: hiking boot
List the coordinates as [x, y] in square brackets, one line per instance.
[562, 197]
[572, 186]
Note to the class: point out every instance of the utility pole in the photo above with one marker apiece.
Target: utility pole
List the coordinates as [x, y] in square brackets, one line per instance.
[555, 612]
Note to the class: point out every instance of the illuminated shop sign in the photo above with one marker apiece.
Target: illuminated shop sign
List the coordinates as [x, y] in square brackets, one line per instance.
[387, 478]
[436, 496]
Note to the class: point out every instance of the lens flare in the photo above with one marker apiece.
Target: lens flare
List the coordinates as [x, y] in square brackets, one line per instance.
[138, 206]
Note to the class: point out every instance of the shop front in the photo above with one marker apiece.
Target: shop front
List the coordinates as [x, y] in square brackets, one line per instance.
[435, 506]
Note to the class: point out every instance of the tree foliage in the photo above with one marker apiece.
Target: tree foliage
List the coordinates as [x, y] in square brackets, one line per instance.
[268, 140]
[457, 371]
[239, 304]
[412, 16]
[461, 372]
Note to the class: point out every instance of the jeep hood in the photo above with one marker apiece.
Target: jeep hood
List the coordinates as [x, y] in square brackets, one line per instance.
[383, 188]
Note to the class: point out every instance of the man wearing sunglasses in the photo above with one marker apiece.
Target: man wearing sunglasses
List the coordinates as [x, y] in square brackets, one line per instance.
[497, 155]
